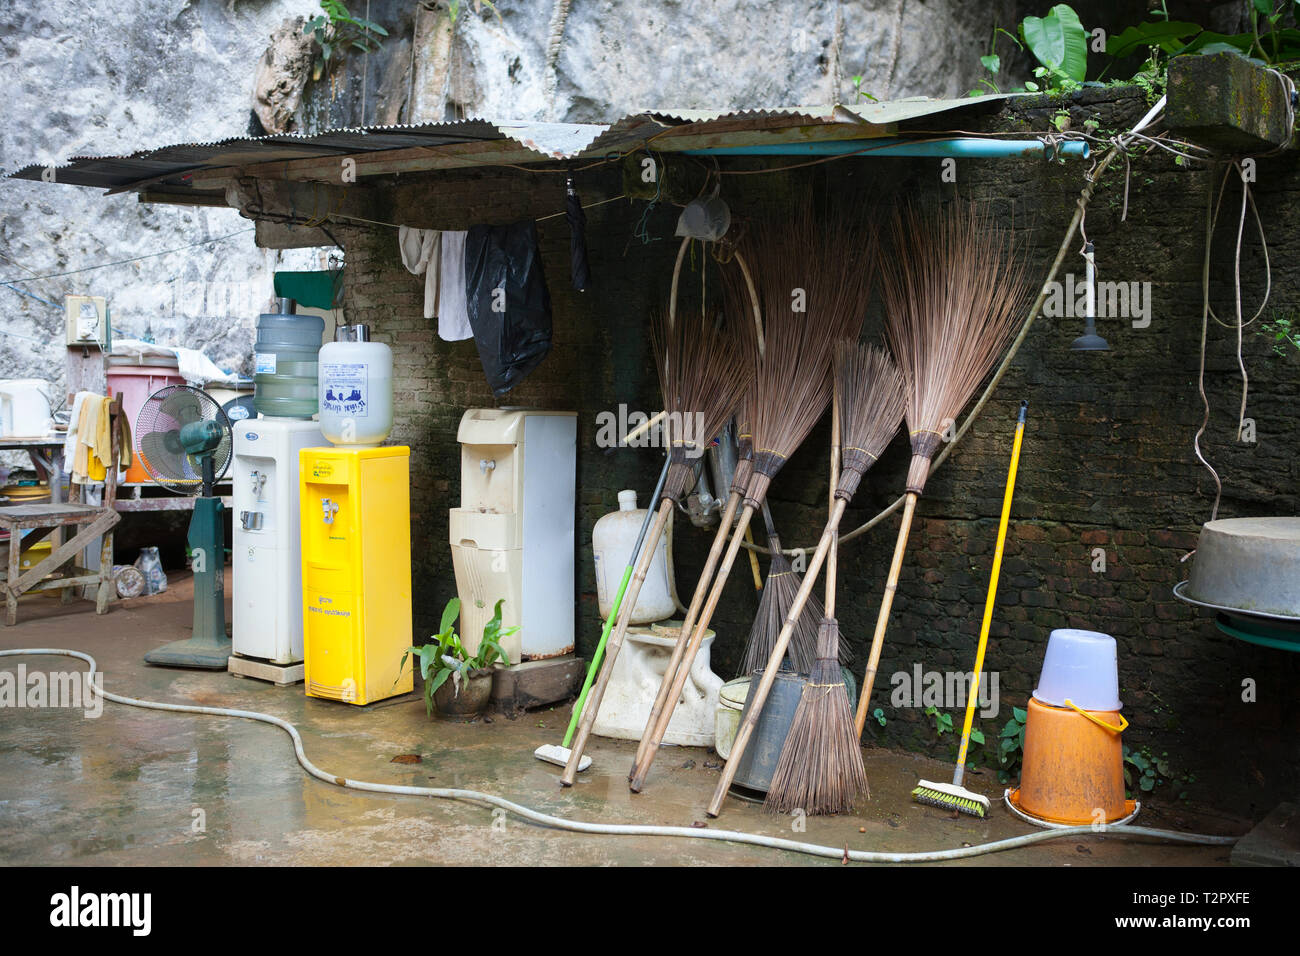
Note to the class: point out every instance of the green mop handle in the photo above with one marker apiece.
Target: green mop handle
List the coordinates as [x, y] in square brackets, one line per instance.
[974, 692]
[597, 657]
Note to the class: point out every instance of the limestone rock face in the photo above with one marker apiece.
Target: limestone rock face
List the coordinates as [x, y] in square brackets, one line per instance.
[282, 76]
[97, 77]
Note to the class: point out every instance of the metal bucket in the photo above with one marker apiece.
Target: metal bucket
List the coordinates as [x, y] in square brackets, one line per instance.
[758, 762]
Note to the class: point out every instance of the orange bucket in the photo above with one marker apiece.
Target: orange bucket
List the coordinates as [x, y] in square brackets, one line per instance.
[1073, 766]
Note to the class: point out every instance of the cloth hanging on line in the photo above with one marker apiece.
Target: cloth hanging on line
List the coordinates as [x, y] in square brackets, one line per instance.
[316, 290]
[509, 304]
[440, 258]
[453, 310]
[422, 255]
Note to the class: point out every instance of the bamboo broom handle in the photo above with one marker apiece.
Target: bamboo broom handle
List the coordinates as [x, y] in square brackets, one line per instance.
[758, 695]
[644, 427]
[832, 559]
[660, 727]
[882, 621]
[615, 643]
[692, 613]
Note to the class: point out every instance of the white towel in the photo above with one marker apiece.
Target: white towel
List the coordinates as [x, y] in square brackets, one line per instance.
[421, 255]
[70, 440]
[453, 309]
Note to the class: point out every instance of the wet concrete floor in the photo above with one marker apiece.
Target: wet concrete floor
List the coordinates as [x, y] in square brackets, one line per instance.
[142, 787]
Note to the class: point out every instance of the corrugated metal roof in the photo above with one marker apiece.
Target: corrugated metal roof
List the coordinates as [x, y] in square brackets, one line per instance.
[170, 169]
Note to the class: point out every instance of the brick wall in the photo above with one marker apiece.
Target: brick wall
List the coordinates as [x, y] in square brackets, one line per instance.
[1107, 461]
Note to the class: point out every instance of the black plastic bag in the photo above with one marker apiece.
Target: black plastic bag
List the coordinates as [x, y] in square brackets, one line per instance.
[509, 304]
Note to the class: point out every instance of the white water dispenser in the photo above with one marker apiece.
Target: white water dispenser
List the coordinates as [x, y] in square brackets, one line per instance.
[512, 537]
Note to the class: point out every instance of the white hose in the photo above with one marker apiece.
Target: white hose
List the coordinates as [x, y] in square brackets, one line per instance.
[626, 829]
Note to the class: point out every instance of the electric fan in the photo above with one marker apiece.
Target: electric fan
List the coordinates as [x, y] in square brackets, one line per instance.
[183, 439]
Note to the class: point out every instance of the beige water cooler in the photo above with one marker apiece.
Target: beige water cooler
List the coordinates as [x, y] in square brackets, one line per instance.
[513, 535]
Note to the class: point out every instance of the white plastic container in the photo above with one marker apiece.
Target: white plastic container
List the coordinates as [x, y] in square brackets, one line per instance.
[25, 408]
[1082, 667]
[355, 389]
[612, 542]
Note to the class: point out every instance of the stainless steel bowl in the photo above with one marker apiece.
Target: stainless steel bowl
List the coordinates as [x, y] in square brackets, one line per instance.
[1248, 564]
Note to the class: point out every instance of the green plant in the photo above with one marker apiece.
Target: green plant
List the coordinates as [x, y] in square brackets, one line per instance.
[336, 30]
[1284, 330]
[453, 9]
[879, 715]
[1057, 41]
[860, 93]
[942, 721]
[1011, 744]
[445, 656]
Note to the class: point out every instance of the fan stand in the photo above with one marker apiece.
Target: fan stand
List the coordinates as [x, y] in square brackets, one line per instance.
[209, 648]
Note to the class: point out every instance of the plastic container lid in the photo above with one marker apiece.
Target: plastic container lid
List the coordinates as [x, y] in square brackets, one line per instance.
[627, 500]
[1082, 667]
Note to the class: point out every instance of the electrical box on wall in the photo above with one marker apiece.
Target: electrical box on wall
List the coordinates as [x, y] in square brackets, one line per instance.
[86, 318]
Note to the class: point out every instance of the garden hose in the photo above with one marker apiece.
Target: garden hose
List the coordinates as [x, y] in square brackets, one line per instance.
[626, 829]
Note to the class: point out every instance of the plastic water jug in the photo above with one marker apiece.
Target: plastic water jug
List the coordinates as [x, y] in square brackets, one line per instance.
[356, 389]
[612, 542]
[285, 355]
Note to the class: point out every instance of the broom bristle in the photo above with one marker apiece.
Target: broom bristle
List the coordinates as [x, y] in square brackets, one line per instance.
[872, 400]
[814, 282]
[820, 770]
[778, 595]
[703, 376]
[954, 289]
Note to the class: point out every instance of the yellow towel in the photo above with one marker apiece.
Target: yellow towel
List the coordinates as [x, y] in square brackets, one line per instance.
[94, 441]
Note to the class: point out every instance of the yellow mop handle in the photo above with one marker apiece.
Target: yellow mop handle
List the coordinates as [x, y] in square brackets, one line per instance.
[974, 693]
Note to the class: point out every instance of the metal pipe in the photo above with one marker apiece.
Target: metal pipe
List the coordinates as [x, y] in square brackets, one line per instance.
[961, 147]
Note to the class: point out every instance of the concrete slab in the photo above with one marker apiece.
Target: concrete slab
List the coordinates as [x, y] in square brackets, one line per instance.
[134, 786]
[1275, 842]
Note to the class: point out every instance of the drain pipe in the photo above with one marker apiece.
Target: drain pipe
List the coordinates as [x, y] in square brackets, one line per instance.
[629, 829]
[968, 147]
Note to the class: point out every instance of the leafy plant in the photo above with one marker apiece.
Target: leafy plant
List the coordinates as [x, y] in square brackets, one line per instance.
[1011, 744]
[445, 655]
[942, 721]
[860, 93]
[1059, 43]
[1282, 328]
[336, 30]
[453, 9]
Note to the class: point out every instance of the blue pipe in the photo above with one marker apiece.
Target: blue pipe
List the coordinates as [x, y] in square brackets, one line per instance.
[961, 147]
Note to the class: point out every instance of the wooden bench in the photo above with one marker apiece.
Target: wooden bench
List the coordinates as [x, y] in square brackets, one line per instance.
[59, 571]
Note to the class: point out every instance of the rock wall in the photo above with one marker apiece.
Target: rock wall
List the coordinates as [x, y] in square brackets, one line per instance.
[101, 78]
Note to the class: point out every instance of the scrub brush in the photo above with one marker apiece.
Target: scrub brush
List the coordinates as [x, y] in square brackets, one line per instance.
[953, 796]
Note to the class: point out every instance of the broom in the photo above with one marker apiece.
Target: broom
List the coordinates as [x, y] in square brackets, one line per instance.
[954, 290]
[781, 586]
[791, 390]
[703, 375]
[819, 769]
[954, 796]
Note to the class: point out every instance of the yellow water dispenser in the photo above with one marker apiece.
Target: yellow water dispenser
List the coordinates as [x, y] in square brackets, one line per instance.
[356, 571]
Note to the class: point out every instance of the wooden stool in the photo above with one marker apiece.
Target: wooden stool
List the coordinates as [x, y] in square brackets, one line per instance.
[90, 521]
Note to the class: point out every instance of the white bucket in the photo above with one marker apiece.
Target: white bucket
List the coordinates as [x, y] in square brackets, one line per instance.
[1081, 667]
[726, 722]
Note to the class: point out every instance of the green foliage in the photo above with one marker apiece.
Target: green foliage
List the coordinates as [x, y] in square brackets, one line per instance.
[859, 93]
[1011, 744]
[336, 31]
[1059, 43]
[942, 721]
[1284, 329]
[444, 655]
[454, 6]
[1144, 771]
